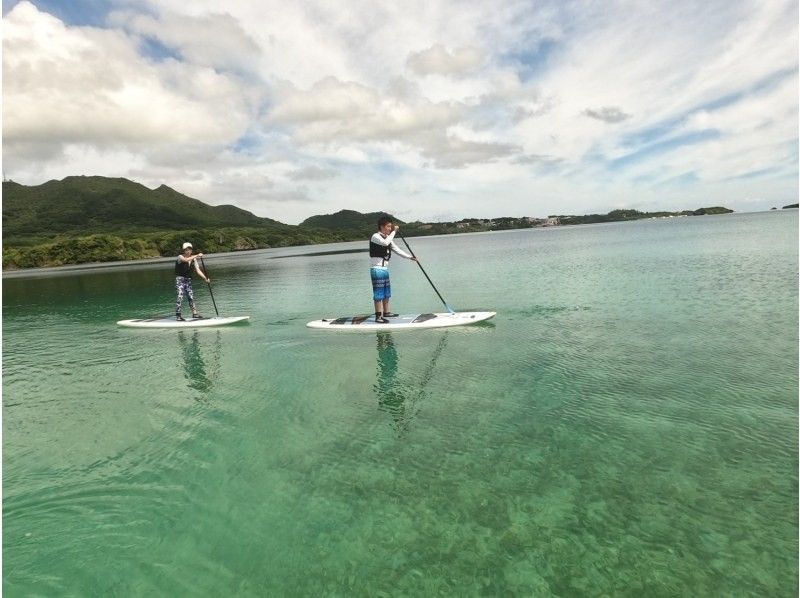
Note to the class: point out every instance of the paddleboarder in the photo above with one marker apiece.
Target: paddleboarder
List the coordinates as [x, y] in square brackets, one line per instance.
[185, 266]
[381, 246]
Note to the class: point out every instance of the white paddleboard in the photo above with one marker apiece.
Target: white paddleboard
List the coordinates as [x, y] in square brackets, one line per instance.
[403, 322]
[171, 322]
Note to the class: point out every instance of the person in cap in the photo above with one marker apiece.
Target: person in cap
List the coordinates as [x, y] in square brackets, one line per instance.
[185, 266]
[381, 246]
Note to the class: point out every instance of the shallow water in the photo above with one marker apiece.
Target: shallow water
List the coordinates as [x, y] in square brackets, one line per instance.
[626, 425]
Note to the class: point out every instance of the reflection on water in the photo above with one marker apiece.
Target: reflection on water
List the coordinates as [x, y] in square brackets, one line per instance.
[201, 375]
[400, 397]
[391, 393]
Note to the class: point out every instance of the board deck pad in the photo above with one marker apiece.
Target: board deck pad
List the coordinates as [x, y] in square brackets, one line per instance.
[171, 322]
[402, 322]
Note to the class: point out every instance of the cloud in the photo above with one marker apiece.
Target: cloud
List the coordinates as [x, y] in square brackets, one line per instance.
[213, 40]
[455, 152]
[538, 160]
[609, 114]
[341, 113]
[345, 110]
[437, 60]
[84, 85]
[312, 173]
[508, 104]
[451, 105]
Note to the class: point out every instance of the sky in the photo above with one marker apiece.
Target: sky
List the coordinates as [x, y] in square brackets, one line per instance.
[431, 110]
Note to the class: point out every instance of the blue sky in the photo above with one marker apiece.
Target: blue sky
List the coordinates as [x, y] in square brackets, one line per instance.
[428, 110]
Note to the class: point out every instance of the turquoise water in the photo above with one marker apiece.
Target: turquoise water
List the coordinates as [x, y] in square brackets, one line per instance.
[626, 425]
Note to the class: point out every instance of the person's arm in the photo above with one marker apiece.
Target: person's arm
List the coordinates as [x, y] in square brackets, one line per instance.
[400, 252]
[198, 269]
[201, 273]
[387, 240]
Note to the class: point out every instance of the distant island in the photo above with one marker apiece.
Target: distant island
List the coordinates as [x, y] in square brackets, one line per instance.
[86, 219]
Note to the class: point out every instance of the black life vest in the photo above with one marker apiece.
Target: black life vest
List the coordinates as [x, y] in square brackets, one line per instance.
[183, 268]
[378, 250]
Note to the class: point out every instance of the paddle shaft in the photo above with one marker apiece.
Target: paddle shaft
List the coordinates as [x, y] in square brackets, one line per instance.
[203, 264]
[447, 307]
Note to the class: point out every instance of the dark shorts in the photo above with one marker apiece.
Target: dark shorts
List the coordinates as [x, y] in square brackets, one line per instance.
[381, 288]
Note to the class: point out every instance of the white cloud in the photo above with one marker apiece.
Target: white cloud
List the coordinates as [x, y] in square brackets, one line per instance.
[456, 107]
[214, 40]
[609, 114]
[312, 173]
[81, 85]
[336, 110]
[437, 60]
[341, 113]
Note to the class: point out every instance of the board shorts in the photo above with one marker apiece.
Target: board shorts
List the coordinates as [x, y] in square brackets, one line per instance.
[381, 288]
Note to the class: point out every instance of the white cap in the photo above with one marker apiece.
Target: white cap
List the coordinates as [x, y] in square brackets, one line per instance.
[185, 245]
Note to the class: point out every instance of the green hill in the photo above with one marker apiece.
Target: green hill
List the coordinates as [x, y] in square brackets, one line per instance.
[623, 215]
[347, 220]
[105, 205]
[97, 219]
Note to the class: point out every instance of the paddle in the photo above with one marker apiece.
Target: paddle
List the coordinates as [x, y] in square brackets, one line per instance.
[203, 264]
[447, 307]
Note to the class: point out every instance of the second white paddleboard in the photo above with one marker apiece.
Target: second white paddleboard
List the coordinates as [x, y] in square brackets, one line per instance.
[171, 322]
[403, 322]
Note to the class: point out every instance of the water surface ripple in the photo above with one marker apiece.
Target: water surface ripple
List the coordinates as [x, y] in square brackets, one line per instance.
[626, 425]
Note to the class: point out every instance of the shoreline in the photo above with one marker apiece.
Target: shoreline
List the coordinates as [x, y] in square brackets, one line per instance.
[144, 262]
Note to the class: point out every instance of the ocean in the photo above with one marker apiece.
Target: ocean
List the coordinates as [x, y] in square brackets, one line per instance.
[626, 425]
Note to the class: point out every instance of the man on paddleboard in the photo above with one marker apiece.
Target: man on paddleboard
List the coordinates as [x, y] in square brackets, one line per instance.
[185, 265]
[381, 246]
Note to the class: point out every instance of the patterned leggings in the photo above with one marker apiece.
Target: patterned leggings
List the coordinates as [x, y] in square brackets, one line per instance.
[183, 285]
